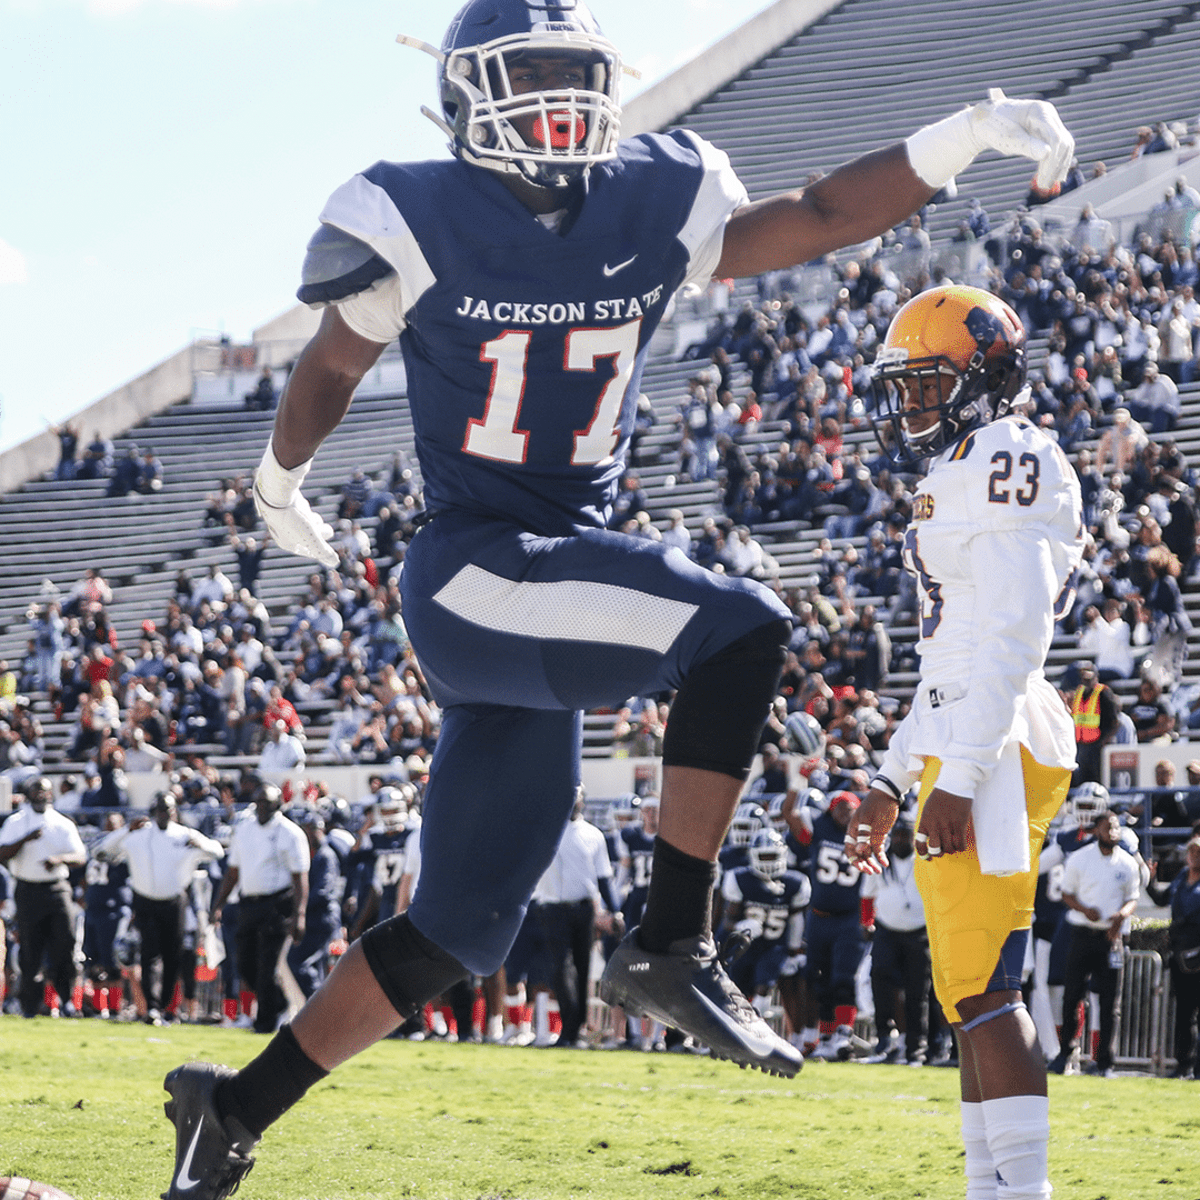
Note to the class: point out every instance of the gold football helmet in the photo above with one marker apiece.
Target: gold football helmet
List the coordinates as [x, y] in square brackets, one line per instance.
[953, 360]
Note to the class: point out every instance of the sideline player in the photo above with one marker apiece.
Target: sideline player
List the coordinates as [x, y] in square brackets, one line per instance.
[994, 543]
[524, 279]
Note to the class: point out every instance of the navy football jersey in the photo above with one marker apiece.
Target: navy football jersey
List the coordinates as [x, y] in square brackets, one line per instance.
[639, 848]
[107, 886]
[388, 850]
[523, 345]
[835, 883]
[1048, 906]
[773, 902]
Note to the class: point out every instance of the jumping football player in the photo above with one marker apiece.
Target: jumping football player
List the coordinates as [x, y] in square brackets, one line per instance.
[525, 278]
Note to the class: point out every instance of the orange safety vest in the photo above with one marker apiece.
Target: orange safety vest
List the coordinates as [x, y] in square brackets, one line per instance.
[1086, 712]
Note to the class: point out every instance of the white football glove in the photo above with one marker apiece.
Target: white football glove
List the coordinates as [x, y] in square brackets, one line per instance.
[290, 520]
[1026, 128]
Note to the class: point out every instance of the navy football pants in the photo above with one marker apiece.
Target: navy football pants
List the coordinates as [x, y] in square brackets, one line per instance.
[517, 635]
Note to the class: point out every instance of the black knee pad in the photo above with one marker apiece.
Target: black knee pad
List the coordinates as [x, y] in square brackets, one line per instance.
[410, 968]
[722, 705]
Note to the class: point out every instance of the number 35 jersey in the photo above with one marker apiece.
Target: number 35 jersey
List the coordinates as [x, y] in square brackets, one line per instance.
[523, 339]
[995, 544]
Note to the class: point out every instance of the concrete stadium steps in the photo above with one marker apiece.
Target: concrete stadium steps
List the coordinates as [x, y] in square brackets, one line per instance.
[847, 84]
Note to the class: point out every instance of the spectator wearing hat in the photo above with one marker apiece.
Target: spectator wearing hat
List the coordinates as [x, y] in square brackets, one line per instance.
[126, 474]
[1154, 403]
[162, 855]
[1121, 442]
[283, 751]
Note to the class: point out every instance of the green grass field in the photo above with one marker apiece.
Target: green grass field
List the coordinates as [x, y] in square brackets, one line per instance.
[81, 1107]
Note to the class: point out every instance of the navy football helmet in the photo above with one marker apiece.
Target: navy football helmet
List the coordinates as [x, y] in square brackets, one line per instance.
[962, 351]
[768, 854]
[572, 128]
[748, 819]
[1088, 801]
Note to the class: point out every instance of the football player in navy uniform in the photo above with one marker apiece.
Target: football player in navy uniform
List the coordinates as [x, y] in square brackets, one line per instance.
[525, 278]
[637, 858]
[835, 939]
[384, 846]
[764, 905]
[107, 898]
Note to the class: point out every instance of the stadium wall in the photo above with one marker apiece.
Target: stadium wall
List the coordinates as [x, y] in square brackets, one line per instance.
[665, 102]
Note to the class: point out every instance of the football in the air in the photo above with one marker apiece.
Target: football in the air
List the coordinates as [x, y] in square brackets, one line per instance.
[15, 1188]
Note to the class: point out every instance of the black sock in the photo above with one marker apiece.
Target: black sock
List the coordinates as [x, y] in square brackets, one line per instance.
[680, 900]
[263, 1090]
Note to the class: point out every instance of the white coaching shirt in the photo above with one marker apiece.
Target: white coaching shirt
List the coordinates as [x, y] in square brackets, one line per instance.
[267, 856]
[579, 865]
[898, 904]
[1104, 882]
[161, 861]
[59, 836]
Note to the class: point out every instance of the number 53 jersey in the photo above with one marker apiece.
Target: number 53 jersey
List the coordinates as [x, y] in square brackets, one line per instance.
[995, 544]
[523, 338]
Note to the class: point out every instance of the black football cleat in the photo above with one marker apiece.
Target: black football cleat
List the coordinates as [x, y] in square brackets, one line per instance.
[687, 989]
[212, 1156]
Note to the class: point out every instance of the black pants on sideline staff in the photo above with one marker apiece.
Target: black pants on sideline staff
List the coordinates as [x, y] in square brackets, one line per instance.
[262, 932]
[1087, 958]
[568, 930]
[900, 959]
[160, 924]
[46, 927]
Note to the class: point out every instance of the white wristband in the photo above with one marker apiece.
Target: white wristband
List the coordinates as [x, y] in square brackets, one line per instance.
[276, 484]
[938, 152]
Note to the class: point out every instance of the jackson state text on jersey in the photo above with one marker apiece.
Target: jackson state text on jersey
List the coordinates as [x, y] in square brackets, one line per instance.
[524, 347]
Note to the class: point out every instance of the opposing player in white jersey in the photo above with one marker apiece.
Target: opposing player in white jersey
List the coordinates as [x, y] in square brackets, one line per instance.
[995, 543]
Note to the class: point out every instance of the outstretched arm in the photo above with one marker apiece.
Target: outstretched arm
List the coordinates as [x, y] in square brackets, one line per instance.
[858, 201]
[871, 194]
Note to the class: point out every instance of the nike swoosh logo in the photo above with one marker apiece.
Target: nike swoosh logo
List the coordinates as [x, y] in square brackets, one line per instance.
[184, 1180]
[754, 1042]
[610, 271]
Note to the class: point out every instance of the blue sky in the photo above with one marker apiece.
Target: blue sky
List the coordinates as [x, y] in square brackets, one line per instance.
[164, 162]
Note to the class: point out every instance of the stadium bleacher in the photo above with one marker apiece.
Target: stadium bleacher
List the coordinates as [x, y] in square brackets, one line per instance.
[855, 79]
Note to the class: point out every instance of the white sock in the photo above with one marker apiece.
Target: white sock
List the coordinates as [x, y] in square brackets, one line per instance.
[981, 1173]
[1018, 1132]
[541, 1015]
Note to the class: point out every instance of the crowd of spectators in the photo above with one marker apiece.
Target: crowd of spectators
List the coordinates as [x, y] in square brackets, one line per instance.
[776, 414]
[138, 471]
